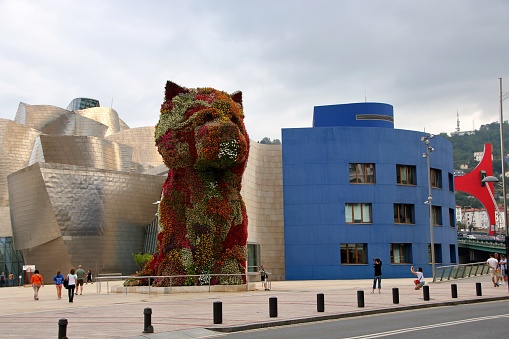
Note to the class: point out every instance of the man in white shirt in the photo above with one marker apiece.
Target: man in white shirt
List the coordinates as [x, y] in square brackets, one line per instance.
[493, 264]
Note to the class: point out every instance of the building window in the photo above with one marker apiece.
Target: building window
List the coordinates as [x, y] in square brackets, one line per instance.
[352, 254]
[436, 178]
[405, 175]
[358, 213]
[452, 217]
[253, 257]
[452, 250]
[451, 182]
[438, 253]
[401, 253]
[436, 214]
[362, 173]
[404, 214]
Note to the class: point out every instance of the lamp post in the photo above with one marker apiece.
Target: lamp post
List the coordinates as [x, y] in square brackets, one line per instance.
[503, 96]
[426, 139]
[493, 179]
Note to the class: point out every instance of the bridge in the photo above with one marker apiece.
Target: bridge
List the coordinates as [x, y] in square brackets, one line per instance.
[473, 250]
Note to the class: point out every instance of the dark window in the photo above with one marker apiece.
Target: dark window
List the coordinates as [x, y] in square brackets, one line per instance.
[362, 173]
[352, 254]
[401, 253]
[452, 217]
[438, 253]
[253, 257]
[452, 250]
[405, 175]
[436, 178]
[436, 214]
[404, 214]
[451, 182]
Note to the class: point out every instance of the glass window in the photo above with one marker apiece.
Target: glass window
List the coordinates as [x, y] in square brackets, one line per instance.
[352, 254]
[451, 182]
[438, 253]
[404, 214]
[452, 250]
[401, 253]
[405, 175]
[358, 213]
[436, 214]
[362, 173]
[452, 217]
[436, 178]
[253, 257]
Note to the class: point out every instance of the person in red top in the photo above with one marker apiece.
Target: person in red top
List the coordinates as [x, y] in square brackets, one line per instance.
[37, 282]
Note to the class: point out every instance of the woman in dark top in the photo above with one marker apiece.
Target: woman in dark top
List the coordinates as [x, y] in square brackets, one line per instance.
[377, 265]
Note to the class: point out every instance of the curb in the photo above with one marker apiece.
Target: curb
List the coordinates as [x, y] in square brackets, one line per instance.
[231, 329]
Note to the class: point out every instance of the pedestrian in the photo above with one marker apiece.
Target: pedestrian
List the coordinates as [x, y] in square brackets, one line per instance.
[503, 269]
[377, 265]
[2, 279]
[11, 279]
[37, 282]
[59, 280]
[89, 277]
[71, 278]
[419, 282]
[493, 264]
[80, 273]
[265, 278]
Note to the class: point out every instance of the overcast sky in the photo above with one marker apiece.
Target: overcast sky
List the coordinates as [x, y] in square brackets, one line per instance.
[429, 59]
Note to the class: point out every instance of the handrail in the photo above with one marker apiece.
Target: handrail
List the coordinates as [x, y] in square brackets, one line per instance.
[445, 273]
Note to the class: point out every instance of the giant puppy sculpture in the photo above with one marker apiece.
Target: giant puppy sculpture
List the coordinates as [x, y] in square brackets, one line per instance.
[202, 218]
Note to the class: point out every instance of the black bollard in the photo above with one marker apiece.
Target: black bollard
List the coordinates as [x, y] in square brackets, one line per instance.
[360, 298]
[478, 289]
[273, 307]
[62, 328]
[425, 292]
[147, 320]
[454, 290]
[395, 295]
[320, 302]
[218, 312]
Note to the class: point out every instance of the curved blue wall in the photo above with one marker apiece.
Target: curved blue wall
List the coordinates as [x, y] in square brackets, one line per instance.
[362, 114]
[316, 188]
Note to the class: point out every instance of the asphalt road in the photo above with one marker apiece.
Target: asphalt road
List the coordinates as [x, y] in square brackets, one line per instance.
[484, 320]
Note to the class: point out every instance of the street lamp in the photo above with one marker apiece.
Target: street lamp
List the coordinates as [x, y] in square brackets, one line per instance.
[503, 96]
[426, 139]
[493, 179]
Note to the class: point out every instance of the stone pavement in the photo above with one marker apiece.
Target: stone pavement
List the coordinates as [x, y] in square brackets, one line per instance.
[190, 315]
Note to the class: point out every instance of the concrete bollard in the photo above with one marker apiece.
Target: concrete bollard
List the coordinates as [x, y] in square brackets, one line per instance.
[62, 328]
[425, 292]
[147, 321]
[320, 302]
[395, 295]
[273, 307]
[478, 289]
[218, 312]
[360, 298]
[454, 290]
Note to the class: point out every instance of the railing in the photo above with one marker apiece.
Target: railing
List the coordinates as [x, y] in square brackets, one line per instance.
[443, 273]
[199, 280]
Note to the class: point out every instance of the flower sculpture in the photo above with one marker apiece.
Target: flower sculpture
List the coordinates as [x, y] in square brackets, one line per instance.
[202, 218]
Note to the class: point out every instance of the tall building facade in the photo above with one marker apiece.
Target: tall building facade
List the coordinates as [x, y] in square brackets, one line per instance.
[356, 189]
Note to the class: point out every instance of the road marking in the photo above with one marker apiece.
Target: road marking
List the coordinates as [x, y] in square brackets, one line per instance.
[418, 328]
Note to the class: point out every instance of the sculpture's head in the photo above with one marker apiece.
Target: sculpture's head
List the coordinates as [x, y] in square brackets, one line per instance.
[203, 128]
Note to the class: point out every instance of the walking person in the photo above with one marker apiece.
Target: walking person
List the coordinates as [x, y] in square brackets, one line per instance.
[419, 282]
[2, 279]
[493, 264]
[37, 282]
[11, 279]
[80, 273]
[59, 280]
[264, 276]
[503, 269]
[71, 278]
[377, 265]
[89, 277]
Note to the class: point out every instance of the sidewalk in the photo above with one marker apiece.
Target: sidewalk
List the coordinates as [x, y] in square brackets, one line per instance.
[190, 315]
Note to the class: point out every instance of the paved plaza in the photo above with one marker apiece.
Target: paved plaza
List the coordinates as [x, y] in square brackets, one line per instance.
[190, 315]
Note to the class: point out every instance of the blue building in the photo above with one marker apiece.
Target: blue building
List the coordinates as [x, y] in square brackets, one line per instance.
[355, 189]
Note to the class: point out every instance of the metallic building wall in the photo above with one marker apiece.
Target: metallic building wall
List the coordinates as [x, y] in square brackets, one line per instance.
[79, 215]
[104, 115]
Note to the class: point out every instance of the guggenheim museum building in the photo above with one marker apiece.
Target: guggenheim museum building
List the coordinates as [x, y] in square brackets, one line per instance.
[78, 187]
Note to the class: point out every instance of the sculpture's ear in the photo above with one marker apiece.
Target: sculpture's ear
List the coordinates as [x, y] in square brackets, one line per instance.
[237, 97]
[172, 90]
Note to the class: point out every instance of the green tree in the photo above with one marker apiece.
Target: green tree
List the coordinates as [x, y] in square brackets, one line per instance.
[141, 259]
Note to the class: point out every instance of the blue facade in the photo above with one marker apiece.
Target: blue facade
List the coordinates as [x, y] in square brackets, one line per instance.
[318, 193]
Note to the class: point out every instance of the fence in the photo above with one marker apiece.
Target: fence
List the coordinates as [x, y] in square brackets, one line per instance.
[199, 280]
[443, 273]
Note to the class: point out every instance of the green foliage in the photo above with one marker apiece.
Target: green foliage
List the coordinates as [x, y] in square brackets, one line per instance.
[267, 141]
[141, 259]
